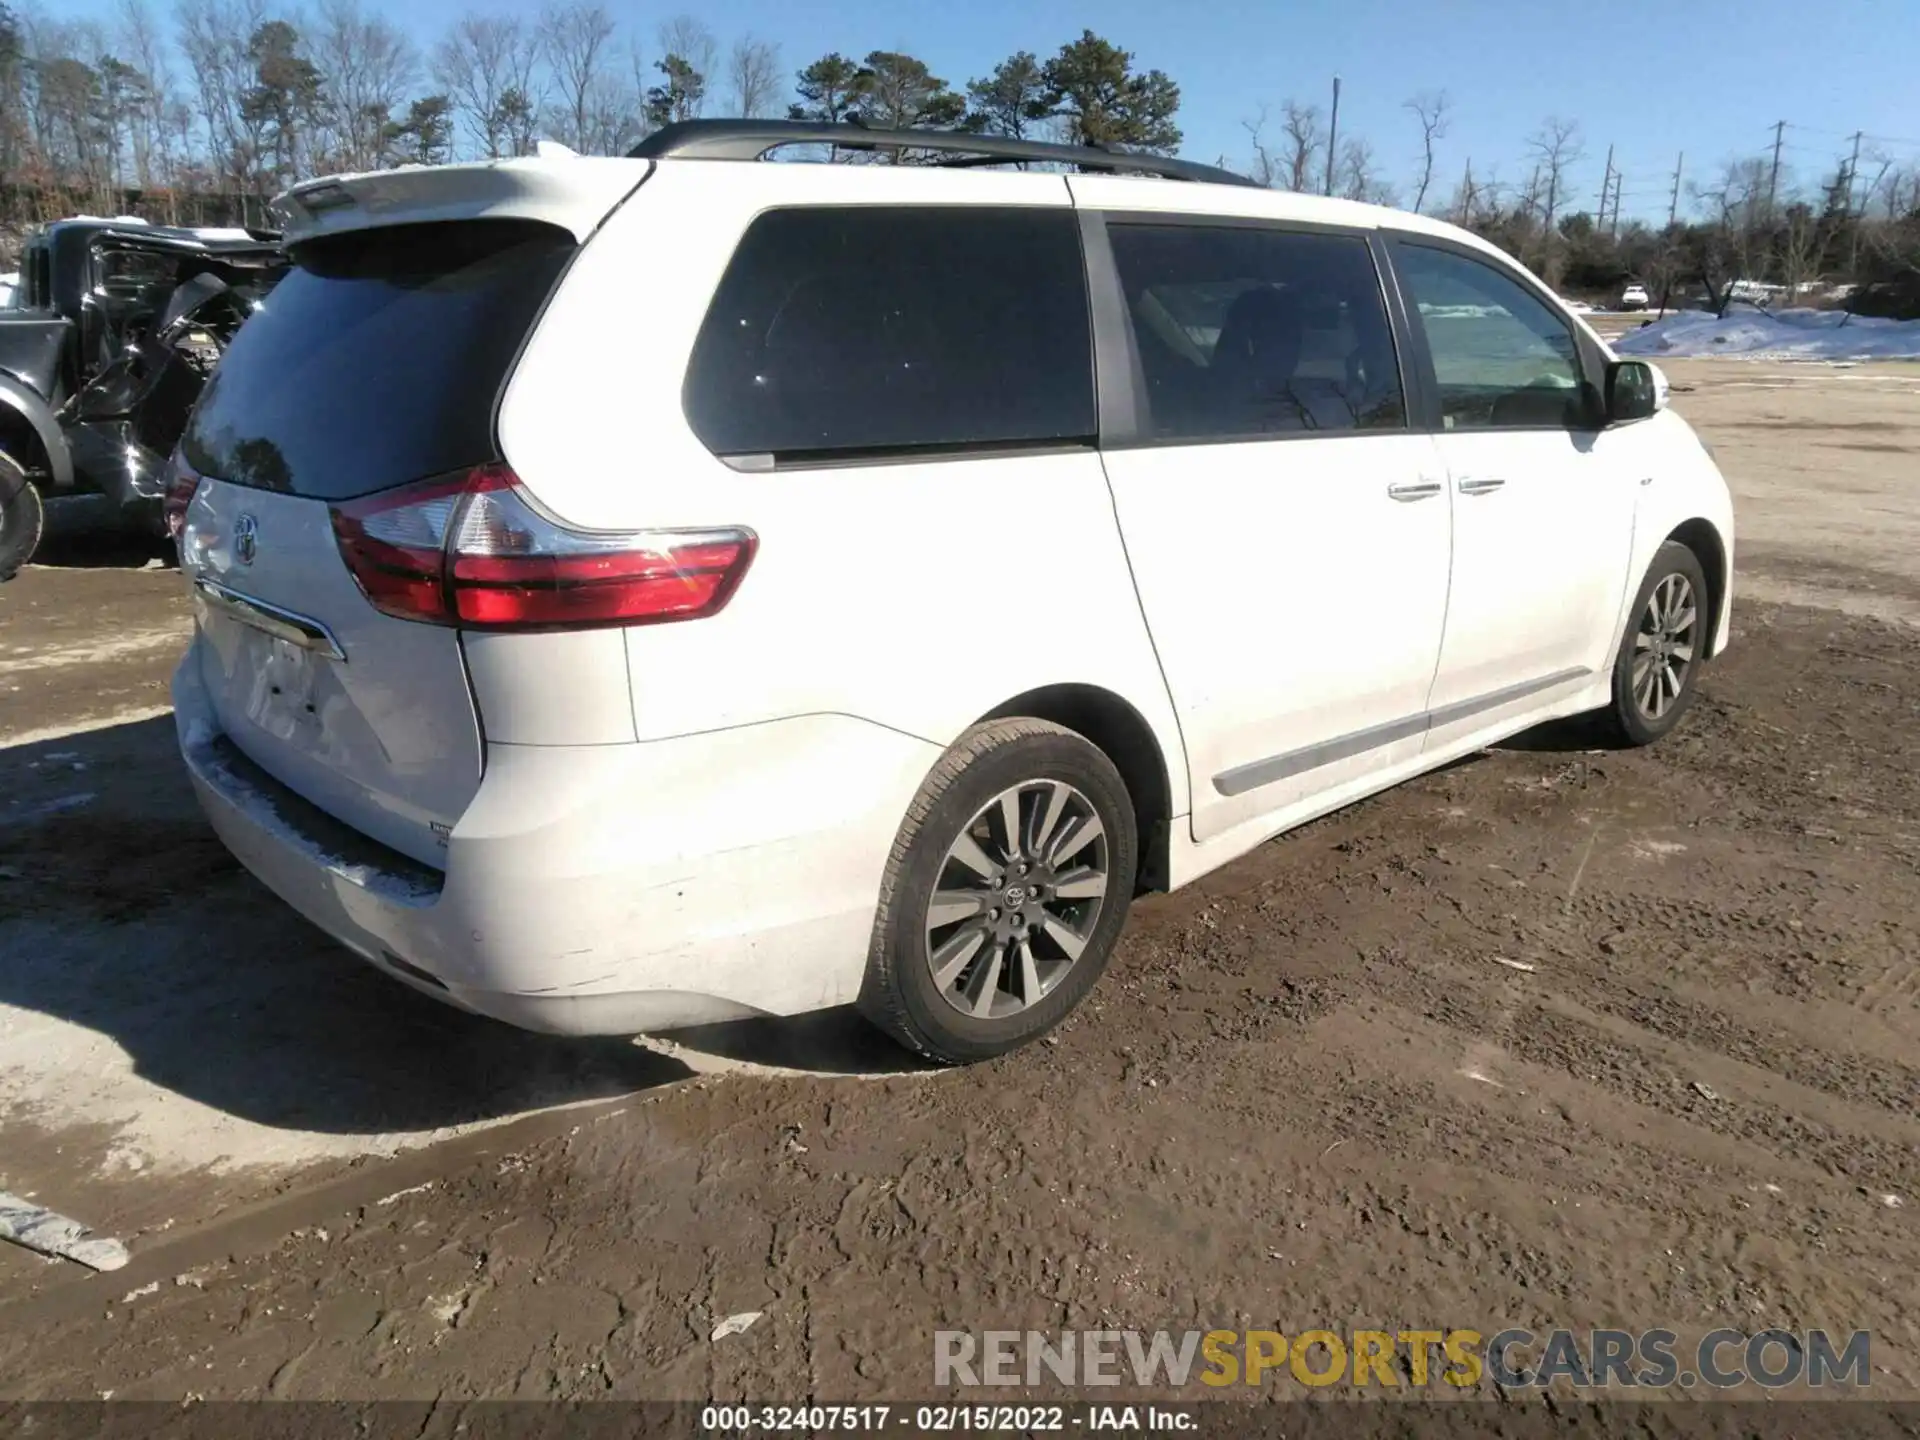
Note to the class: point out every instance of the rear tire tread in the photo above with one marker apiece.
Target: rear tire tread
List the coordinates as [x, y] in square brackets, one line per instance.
[880, 998]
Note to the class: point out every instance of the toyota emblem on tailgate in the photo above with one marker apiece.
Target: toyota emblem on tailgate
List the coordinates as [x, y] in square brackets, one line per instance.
[246, 538]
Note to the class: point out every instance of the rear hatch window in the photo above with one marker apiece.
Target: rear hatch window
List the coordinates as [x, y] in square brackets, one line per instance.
[378, 360]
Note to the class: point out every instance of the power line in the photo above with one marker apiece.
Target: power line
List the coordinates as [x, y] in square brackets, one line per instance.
[1848, 135]
[1817, 130]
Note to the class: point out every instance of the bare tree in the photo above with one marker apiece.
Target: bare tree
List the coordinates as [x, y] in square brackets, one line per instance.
[574, 38]
[753, 73]
[1889, 188]
[1556, 145]
[688, 39]
[368, 65]
[1735, 200]
[213, 35]
[1301, 125]
[1469, 197]
[1882, 165]
[1799, 244]
[1430, 109]
[483, 63]
[144, 49]
[1359, 177]
[1263, 170]
[615, 105]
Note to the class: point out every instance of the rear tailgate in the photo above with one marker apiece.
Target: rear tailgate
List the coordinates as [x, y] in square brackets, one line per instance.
[375, 364]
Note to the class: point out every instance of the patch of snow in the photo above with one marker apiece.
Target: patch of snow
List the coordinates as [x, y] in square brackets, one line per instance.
[1818, 335]
[1462, 312]
[401, 1194]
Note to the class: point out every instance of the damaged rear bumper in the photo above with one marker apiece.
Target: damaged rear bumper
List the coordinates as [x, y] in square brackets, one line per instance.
[603, 889]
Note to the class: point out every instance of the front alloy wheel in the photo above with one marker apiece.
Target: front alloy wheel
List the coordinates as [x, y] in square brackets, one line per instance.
[1663, 647]
[1665, 643]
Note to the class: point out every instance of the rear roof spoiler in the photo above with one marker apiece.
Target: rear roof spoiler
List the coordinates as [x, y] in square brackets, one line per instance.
[575, 194]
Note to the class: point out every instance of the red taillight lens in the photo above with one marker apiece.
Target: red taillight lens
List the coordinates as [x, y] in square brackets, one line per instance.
[181, 487]
[474, 552]
[395, 544]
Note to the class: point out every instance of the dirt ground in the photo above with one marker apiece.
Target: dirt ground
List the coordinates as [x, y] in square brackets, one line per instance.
[1308, 1092]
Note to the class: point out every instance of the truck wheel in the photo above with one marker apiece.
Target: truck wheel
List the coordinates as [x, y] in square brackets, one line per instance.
[22, 517]
[1006, 889]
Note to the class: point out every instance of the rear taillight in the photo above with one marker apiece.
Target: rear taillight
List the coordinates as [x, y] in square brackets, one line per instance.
[182, 483]
[472, 551]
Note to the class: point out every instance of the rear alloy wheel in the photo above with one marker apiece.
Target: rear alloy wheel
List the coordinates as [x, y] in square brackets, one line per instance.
[1007, 887]
[22, 517]
[1663, 649]
[1020, 892]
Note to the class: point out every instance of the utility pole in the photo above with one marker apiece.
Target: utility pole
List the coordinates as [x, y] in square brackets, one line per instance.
[1466, 195]
[1614, 230]
[1773, 176]
[1606, 189]
[1853, 224]
[1333, 135]
[1673, 205]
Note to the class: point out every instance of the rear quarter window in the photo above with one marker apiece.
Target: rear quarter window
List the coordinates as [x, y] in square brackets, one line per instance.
[849, 330]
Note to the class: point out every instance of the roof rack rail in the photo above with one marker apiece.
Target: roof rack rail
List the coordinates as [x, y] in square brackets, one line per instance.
[753, 139]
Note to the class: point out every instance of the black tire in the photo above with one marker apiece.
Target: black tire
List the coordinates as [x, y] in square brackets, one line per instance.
[1632, 720]
[22, 517]
[900, 993]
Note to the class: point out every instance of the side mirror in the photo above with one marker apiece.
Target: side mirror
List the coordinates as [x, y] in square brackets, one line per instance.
[1635, 390]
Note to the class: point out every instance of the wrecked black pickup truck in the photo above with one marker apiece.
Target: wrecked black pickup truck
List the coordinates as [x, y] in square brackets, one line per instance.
[112, 334]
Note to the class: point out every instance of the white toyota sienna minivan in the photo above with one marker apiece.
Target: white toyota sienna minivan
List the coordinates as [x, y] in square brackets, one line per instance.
[640, 592]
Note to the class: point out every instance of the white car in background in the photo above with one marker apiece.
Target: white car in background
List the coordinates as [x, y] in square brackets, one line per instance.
[1634, 297]
[926, 561]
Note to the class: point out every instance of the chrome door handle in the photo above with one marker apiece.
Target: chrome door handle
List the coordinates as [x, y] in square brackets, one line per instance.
[1415, 489]
[1479, 487]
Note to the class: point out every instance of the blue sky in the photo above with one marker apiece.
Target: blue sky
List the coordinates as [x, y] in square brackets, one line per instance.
[1651, 77]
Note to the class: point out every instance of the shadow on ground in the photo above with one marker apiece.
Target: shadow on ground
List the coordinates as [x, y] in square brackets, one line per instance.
[83, 532]
[835, 1042]
[137, 957]
[1569, 736]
